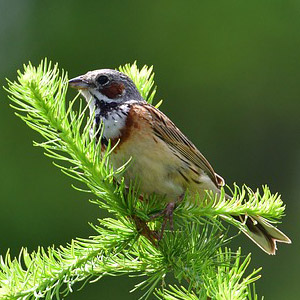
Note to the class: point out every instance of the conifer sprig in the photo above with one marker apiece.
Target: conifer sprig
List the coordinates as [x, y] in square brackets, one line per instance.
[195, 253]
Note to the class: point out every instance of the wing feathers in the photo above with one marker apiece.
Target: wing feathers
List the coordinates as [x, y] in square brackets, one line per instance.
[180, 144]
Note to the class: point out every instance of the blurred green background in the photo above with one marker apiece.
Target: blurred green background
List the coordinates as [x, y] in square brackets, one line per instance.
[229, 74]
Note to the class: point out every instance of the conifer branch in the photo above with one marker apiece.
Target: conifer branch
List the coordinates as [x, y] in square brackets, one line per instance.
[195, 253]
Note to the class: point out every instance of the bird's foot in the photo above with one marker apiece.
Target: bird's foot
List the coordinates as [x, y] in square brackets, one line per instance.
[167, 213]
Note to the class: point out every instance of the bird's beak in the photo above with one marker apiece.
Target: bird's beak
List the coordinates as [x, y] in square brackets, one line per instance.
[79, 83]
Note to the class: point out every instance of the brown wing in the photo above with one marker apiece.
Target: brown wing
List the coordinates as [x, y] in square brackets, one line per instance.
[166, 130]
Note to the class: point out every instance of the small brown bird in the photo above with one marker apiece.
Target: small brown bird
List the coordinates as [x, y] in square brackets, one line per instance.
[165, 161]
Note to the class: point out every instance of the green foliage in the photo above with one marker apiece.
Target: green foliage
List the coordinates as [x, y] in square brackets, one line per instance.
[195, 253]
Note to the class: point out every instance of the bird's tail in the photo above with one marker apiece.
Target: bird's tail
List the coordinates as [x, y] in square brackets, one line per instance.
[262, 233]
[258, 229]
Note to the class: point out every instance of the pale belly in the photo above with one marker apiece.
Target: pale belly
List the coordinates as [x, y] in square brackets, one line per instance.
[156, 169]
[153, 166]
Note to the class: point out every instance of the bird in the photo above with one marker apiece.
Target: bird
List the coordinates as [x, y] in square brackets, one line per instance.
[164, 161]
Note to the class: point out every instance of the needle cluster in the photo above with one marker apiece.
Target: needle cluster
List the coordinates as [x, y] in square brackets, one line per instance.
[195, 255]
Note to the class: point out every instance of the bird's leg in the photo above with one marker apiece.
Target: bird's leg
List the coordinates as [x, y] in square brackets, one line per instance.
[167, 213]
[168, 216]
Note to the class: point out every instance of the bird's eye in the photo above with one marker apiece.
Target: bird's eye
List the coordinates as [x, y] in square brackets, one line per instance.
[102, 79]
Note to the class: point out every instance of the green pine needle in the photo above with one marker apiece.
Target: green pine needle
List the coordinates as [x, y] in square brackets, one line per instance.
[194, 254]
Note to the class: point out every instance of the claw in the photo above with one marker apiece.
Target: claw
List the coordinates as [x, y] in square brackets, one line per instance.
[167, 213]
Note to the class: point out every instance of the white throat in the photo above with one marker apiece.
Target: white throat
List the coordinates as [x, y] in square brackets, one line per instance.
[113, 119]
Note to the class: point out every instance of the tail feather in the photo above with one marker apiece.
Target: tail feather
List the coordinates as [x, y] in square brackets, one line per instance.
[262, 233]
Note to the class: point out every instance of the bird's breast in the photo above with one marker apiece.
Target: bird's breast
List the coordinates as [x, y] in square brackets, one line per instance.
[152, 162]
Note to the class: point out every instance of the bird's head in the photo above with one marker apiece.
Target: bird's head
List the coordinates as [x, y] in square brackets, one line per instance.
[106, 86]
